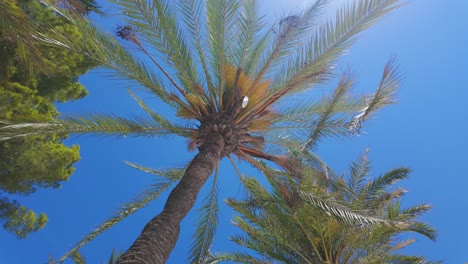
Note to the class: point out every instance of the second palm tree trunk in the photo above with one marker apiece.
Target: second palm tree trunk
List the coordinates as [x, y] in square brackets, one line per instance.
[160, 235]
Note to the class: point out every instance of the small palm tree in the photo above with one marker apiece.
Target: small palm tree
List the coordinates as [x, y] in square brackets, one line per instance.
[292, 223]
[227, 75]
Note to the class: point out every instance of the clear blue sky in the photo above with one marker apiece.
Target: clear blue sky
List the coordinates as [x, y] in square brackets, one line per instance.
[424, 131]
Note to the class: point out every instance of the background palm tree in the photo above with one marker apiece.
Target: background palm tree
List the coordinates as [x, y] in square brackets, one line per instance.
[228, 80]
[292, 223]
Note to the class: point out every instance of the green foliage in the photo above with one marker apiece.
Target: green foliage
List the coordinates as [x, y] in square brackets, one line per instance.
[33, 77]
[313, 216]
[34, 162]
[18, 219]
[203, 58]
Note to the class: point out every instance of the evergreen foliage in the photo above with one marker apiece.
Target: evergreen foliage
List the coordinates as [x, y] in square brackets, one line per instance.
[312, 215]
[29, 86]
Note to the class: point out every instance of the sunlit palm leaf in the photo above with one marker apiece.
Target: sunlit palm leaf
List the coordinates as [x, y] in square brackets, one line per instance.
[106, 51]
[289, 34]
[378, 185]
[341, 212]
[221, 15]
[99, 124]
[158, 25]
[385, 95]
[192, 13]
[330, 40]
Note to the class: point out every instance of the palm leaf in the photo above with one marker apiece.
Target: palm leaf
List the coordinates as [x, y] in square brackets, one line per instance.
[379, 184]
[106, 125]
[289, 34]
[206, 227]
[329, 42]
[77, 258]
[346, 83]
[103, 49]
[159, 27]
[154, 190]
[385, 95]
[341, 212]
[221, 16]
[358, 171]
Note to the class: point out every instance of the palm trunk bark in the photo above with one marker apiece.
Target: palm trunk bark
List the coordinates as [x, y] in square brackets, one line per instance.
[160, 235]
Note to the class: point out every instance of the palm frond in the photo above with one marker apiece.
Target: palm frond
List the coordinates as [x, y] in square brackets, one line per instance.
[245, 33]
[159, 27]
[341, 212]
[379, 184]
[358, 171]
[383, 96]
[221, 16]
[17, 27]
[171, 175]
[192, 14]
[289, 34]
[330, 41]
[206, 227]
[106, 125]
[77, 258]
[103, 49]
[161, 120]
[346, 83]
[403, 259]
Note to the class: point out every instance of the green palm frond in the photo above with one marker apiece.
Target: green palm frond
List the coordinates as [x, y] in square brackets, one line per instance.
[105, 50]
[341, 212]
[384, 95]
[329, 42]
[77, 258]
[358, 171]
[107, 125]
[248, 27]
[192, 12]
[402, 259]
[383, 182]
[16, 27]
[206, 227]
[159, 27]
[154, 190]
[290, 32]
[423, 229]
[322, 125]
[157, 117]
[221, 17]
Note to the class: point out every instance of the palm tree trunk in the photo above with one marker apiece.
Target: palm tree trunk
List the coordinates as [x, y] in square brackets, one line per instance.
[160, 235]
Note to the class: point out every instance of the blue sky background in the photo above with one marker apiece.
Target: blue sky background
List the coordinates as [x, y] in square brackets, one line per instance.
[425, 131]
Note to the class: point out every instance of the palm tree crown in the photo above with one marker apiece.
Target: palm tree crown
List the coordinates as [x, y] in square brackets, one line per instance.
[292, 223]
[219, 66]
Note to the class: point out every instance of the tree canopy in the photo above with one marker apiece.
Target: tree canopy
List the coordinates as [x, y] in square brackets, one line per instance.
[313, 215]
[29, 87]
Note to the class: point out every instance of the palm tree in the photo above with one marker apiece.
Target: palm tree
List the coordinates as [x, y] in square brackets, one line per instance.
[292, 223]
[226, 74]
